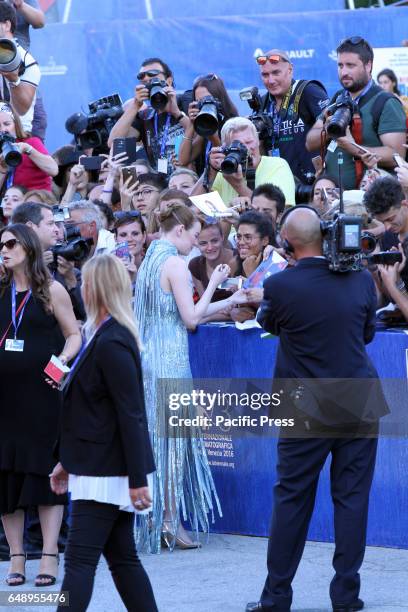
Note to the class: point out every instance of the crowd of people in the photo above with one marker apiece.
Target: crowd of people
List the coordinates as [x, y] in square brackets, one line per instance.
[124, 254]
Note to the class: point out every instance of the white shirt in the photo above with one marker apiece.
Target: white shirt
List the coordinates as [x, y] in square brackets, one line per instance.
[106, 489]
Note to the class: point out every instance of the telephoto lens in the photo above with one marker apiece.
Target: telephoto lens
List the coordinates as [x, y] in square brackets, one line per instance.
[206, 123]
[9, 150]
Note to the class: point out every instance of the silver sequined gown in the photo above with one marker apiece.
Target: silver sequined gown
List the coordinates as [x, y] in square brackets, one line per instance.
[181, 462]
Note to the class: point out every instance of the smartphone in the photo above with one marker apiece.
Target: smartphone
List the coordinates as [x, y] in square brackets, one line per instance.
[125, 145]
[122, 251]
[401, 163]
[386, 258]
[129, 172]
[231, 283]
[93, 162]
[362, 149]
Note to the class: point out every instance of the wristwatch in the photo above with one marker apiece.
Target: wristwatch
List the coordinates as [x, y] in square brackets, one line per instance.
[15, 83]
[29, 150]
[180, 116]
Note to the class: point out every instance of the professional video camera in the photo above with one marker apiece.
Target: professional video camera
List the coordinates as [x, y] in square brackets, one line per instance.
[158, 97]
[92, 131]
[345, 245]
[341, 111]
[10, 151]
[262, 121]
[208, 120]
[235, 154]
[74, 247]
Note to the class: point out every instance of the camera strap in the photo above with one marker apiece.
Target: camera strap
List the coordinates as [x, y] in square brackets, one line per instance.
[250, 178]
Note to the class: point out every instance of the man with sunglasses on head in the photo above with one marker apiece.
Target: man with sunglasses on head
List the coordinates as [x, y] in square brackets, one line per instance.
[378, 122]
[161, 131]
[293, 106]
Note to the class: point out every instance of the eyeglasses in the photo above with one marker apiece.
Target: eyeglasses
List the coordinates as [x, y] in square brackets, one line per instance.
[121, 214]
[274, 59]
[145, 193]
[204, 77]
[148, 73]
[9, 244]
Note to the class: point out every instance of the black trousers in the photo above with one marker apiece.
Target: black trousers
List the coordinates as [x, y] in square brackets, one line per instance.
[300, 462]
[96, 529]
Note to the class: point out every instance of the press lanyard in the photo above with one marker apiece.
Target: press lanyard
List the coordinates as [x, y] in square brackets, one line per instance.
[276, 121]
[10, 179]
[165, 132]
[85, 346]
[17, 324]
[207, 151]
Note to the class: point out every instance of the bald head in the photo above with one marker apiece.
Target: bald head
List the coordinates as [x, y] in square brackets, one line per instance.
[302, 230]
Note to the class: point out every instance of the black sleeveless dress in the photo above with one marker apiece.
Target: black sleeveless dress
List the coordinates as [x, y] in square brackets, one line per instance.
[29, 408]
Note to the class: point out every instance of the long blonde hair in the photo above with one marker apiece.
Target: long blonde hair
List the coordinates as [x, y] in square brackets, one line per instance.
[108, 285]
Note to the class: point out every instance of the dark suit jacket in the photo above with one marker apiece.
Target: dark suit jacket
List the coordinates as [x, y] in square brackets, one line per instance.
[324, 320]
[104, 427]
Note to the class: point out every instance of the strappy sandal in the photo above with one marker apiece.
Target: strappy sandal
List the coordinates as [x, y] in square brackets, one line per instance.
[50, 580]
[17, 578]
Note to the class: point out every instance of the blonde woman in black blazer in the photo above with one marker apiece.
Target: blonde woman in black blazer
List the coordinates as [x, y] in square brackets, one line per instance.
[104, 447]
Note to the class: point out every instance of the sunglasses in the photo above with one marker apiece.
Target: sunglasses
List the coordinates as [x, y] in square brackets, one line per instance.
[353, 40]
[204, 77]
[9, 244]
[121, 214]
[274, 59]
[148, 73]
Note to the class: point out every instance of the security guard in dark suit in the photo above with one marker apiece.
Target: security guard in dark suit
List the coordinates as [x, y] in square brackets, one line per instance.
[324, 320]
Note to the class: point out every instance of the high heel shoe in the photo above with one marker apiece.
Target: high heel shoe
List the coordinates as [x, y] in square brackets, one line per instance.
[171, 540]
[49, 578]
[17, 578]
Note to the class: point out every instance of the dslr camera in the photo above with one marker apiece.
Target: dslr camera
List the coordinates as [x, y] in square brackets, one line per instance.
[342, 111]
[157, 95]
[262, 121]
[74, 247]
[92, 131]
[235, 154]
[9, 150]
[208, 120]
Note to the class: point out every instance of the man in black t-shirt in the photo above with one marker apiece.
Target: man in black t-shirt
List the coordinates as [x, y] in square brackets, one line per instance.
[293, 107]
[160, 131]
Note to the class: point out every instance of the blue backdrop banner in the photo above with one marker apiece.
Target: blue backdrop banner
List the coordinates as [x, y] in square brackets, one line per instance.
[81, 62]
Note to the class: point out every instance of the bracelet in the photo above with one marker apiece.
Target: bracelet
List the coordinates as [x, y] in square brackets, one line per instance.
[180, 117]
[187, 138]
[29, 150]
[107, 190]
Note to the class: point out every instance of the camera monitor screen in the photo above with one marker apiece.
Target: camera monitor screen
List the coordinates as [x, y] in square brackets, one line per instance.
[352, 236]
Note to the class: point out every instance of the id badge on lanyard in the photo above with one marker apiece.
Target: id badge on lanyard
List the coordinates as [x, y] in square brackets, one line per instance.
[13, 344]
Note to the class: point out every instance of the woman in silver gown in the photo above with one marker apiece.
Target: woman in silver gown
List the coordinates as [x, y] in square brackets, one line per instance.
[164, 309]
